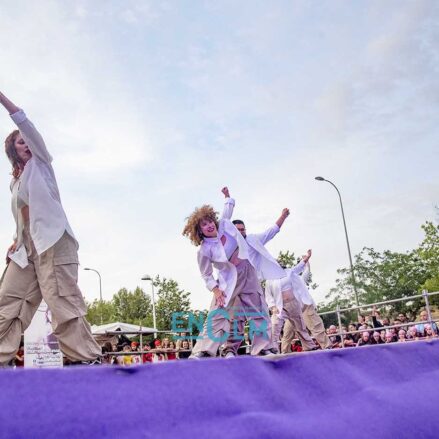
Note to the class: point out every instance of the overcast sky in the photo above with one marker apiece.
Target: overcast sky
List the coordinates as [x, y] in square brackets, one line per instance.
[149, 108]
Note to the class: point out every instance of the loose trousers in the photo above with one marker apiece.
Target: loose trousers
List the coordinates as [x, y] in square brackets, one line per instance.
[292, 314]
[53, 276]
[251, 306]
[315, 325]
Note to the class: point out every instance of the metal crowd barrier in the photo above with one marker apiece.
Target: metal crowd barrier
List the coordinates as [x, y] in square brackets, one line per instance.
[339, 311]
[425, 295]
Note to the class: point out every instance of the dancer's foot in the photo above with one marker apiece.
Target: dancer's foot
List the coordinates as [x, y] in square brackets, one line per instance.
[199, 356]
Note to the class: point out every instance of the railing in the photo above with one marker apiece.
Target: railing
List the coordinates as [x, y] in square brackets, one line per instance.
[339, 311]
[425, 295]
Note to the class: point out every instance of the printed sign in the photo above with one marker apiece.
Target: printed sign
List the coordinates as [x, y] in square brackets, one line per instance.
[41, 347]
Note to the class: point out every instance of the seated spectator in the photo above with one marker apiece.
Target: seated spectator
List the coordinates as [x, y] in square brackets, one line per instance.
[19, 357]
[245, 347]
[364, 340]
[335, 339]
[185, 350]
[429, 333]
[135, 359]
[361, 321]
[158, 354]
[376, 338]
[106, 357]
[296, 346]
[402, 335]
[389, 337]
[383, 336]
[423, 317]
[147, 356]
[351, 340]
[403, 319]
[127, 360]
[171, 354]
[412, 333]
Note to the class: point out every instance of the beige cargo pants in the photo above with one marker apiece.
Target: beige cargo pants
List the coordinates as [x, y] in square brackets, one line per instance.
[52, 276]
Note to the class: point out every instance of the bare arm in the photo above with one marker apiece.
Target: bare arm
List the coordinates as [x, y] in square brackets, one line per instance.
[283, 217]
[228, 205]
[9, 105]
[30, 134]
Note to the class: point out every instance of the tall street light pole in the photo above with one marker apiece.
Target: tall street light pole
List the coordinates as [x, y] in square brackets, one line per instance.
[154, 319]
[354, 283]
[100, 289]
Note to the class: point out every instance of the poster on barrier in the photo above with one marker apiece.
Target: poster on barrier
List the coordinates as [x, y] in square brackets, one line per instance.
[41, 347]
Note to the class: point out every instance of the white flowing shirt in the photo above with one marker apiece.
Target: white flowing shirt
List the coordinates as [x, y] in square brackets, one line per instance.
[212, 255]
[294, 281]
[37, 187]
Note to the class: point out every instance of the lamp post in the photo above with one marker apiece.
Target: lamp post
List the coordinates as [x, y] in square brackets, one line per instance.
[100, 288]
[147, 277]
[354, 284]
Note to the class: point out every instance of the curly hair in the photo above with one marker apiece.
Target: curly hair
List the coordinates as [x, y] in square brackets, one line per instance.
[11, 152]
[192, 228]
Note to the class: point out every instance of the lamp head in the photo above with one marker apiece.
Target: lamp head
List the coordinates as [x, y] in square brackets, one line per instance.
[320, 178]
[146, 277]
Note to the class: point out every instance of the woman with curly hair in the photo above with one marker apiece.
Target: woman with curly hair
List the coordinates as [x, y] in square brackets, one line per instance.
[43, 260]
[224, 248]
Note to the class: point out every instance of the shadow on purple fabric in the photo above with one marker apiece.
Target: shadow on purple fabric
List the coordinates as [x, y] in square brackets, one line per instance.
[383, 391]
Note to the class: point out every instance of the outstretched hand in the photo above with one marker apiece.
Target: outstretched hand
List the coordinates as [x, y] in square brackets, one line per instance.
[307, 256]
[225, 191]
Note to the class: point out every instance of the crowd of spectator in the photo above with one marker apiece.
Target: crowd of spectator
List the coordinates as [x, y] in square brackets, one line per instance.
[368, 330]
[372, 329]
[131, 353]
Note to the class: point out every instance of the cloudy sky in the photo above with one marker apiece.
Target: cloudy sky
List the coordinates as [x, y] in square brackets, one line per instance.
[149, 108]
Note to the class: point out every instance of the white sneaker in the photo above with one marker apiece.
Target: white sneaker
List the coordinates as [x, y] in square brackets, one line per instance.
[230, 355]
[198, 356]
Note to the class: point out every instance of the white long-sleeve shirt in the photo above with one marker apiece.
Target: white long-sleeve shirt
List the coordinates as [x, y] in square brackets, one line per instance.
[293, 281]
[37, 187]
[212, 255]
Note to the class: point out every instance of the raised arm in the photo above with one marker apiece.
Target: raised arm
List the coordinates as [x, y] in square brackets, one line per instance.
[301, 266]
[271, 232]
[10, 106]
[229, 204]
[283, 217]
[29, 133]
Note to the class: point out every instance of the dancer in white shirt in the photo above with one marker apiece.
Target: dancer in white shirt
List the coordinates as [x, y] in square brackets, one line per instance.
[256, 243]
[285, 304]
[43, 260]
[222, 247]
[299, 278]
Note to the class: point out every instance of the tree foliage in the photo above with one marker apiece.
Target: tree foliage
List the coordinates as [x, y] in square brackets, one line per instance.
[382, 276]
[136, 306]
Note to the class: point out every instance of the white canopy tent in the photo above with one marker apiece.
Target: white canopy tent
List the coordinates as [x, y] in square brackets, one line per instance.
[122, 327]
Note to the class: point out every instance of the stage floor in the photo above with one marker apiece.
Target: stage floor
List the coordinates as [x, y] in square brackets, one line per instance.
[384, 391]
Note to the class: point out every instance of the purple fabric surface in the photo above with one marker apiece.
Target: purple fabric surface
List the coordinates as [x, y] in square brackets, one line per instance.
[382, 391]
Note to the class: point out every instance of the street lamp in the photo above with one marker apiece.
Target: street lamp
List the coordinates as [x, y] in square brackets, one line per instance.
[354, 284]
[100, 288]
[148, 277]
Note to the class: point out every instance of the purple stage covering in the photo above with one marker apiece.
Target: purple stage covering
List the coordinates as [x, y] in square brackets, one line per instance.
[387, 391]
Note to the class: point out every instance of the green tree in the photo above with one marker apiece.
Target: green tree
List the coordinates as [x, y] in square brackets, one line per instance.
[98, 309]
[170, 299]
[390, 275]
[133, 307]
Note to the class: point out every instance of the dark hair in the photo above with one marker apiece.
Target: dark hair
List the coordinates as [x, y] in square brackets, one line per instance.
[238, 222]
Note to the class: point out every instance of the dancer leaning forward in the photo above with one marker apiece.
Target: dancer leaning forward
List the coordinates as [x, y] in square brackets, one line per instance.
[222, 247]
[42, 263]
